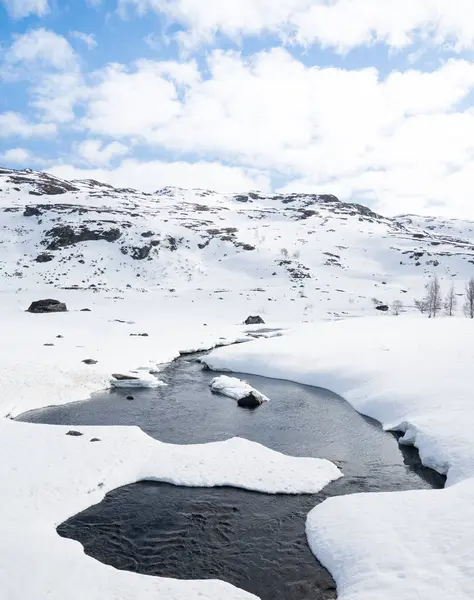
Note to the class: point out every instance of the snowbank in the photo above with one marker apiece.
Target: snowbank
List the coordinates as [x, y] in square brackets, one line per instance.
[237, 389]
[50, 476]
[414, 375]
[136, 380]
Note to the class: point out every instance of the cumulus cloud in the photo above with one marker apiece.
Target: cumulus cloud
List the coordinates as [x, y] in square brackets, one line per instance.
[351, 132]
[14, 124]
[39, 48]
[95, 152]
[15, 156]
[152, 175]
[339, 24]
[18, 9]
[131, 102]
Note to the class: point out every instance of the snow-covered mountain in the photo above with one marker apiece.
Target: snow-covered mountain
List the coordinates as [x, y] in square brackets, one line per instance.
[89, 234]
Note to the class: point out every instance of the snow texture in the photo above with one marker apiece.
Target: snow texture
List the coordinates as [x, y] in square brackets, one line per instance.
[235, 388]
[413, 375]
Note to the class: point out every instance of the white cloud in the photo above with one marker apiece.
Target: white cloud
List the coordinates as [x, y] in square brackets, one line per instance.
[50, 68]
[39, 48]
[340, 24]
[152, 175]
[96, 153]
[55, 95]
[18, 9]
[14, 124]
[128, 103]
[346, 131]
[88, 38]
[16, 156]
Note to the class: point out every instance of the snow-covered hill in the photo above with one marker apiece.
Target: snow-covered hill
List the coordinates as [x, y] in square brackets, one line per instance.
[88, 234]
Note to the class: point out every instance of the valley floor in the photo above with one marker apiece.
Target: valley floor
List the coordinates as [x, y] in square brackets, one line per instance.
[410, 373]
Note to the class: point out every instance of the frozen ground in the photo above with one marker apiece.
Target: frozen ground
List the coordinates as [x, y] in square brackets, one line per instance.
[413, 375]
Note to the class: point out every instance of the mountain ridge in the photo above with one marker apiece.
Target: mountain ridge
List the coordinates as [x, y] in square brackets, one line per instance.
[84, 233]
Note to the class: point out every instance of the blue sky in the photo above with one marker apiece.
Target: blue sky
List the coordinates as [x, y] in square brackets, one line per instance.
[371, 100]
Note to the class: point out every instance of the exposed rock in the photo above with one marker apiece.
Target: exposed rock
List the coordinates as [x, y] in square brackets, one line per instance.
[130, 397]
[44, 257]
[32, 211]
[254, 320]
[140, 253]
[94, 440]
[85, 310]
[65, 235]
[121, 377]
[48, 344]
[382, 308]
[249, 401]
[139, 335]
[47, 306]
[74, 433]
[89, 361]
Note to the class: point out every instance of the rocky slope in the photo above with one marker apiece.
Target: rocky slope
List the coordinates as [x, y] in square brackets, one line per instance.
[86, 234]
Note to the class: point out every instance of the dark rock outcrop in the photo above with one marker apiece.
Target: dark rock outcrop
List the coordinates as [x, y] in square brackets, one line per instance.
[65, 235]
[32, 211]
[44, 257]
[254, 320]
[47, 306]
[382, 308]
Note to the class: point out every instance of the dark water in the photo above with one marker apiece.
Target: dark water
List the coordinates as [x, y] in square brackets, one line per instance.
[254, 541]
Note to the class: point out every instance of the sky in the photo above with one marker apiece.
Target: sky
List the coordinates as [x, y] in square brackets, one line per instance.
[369, 100]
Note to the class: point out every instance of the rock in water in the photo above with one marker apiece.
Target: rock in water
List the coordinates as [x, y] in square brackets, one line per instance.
[249, 401]
[47, 306]
[254, 320]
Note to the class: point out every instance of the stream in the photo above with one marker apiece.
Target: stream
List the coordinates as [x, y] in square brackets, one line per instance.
[254, 541]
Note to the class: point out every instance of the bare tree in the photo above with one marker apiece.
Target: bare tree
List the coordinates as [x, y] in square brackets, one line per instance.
[421, 305]
[397, 306]
[433, 297]
[469, 299]
[450, 302]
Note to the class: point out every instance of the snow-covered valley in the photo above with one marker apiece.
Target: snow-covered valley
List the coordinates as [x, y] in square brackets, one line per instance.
[186, 268]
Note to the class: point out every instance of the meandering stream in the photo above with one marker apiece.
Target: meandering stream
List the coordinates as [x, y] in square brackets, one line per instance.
[254, 541]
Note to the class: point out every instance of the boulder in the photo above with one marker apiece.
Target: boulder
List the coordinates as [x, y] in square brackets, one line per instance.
[74, 433]
[89, 361]
[249, 401]
[44, 257]
[47, 306]
[254, 320]
[382, 308]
